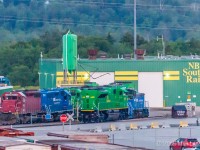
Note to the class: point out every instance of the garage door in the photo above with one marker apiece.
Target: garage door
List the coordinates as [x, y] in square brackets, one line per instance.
[151, 83]
[102, 78]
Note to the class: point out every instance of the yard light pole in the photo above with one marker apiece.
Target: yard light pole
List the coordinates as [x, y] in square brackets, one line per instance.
[52, 77]
[135, 32]
[39, 78]
[163, 43]
[45, 79]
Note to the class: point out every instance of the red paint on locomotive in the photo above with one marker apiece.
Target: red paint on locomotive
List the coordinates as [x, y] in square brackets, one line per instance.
[21, 102]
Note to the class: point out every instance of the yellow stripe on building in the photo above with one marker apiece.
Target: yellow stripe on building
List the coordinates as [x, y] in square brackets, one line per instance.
[59, 73]
[81, 78]
[128, 78]
[171, 72]
[171, 78]
[59, 78]
[123, 73]
[81, 73]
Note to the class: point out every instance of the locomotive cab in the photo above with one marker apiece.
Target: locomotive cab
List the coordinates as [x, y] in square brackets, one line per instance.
[137, 106]
[56, 102]
[13, 102]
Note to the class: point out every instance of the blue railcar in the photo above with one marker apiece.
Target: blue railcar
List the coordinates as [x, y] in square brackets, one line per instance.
[137, 106]
[56, 101]
[4, 81]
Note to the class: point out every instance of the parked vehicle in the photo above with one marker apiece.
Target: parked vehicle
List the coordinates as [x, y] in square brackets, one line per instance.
[179, 111]
[182, 143]
[197, 147]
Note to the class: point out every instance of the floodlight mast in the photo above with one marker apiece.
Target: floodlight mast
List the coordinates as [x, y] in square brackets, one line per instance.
[135, 32]
[163, 43]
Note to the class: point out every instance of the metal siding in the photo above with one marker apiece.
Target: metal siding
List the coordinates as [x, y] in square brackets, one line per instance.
[125, 78]
[151, 83]
[47, 73]
[27, 146]
[172, 88]
[102, 78]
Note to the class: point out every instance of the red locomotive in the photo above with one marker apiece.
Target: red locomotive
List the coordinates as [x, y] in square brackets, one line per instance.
[34, 106]
[19, 106]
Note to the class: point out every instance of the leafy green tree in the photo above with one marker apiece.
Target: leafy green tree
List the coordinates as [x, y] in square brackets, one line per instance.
[6, 3]
[51, 40]
[110, 39]
[127, 39]
[102, 44]
[21, 75]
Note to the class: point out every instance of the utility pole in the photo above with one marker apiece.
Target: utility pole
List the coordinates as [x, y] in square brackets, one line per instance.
[161, 4]
[135, 32]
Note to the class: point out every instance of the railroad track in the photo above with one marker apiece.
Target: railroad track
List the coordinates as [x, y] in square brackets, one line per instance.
[76, 122]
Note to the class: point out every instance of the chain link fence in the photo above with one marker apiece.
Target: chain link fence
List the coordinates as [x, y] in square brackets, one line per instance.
[158, 139]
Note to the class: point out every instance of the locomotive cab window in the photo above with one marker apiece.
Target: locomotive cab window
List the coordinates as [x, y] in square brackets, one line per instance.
[114, 91]
[78, 94]
[11, 98]
[72, 93]
[56, 94]
[65, 97]
[63, 93]
[29, 94]
[102, 95]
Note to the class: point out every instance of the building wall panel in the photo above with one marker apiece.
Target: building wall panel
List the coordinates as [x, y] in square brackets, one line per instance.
[184, 79]
[102, 78]
[151, 83]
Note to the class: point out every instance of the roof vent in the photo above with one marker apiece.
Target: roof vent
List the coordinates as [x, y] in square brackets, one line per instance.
[92, 53]
[140, 53]
[103, 55]
[127, 56]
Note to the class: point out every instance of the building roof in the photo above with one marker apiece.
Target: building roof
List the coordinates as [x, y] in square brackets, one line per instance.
[13, 143]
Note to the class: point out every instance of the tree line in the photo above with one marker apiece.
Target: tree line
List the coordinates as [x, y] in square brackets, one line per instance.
[174, 19]
[19, 60]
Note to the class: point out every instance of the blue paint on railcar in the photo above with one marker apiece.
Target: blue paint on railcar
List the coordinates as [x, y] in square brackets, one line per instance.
[137, 106]
[55, 100]
[5, 81]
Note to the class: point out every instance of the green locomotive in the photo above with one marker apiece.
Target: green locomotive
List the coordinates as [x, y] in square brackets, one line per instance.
[117, 101]
[102, 103]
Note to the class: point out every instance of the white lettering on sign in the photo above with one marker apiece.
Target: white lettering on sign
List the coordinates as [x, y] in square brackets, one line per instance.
[192, 72]
[180, 113]
[56, 100]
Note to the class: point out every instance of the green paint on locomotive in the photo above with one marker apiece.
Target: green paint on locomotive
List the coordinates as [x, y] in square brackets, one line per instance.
[76, 93]
[103, 98]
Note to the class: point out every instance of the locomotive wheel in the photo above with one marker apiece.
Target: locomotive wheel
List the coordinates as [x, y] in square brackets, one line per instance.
[97, 120]
[85, 120]
[120, 117]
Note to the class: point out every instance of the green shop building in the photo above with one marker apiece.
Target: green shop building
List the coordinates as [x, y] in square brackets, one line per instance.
[164, 81]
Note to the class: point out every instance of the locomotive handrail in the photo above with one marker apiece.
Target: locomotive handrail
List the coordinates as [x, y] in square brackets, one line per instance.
[131, 106]
[97, 107]
[77, 109]
[48, 110]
